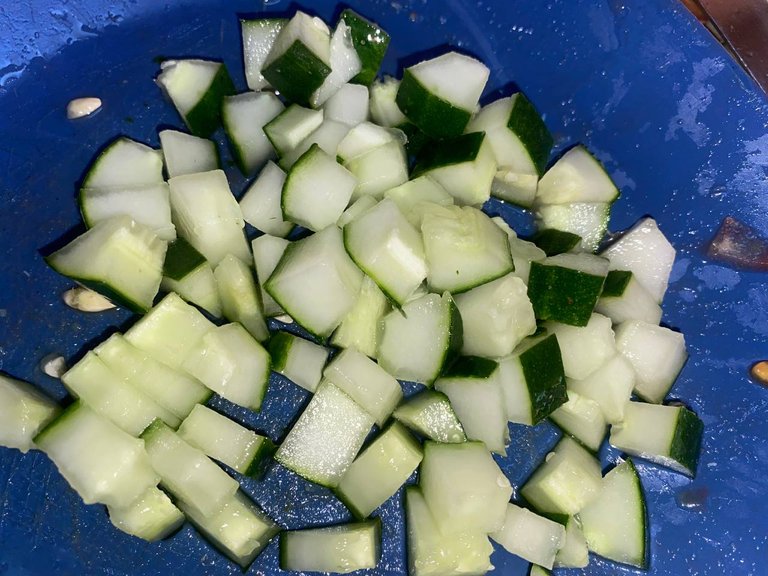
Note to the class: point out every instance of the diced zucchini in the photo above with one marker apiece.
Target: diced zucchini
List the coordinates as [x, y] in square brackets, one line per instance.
[379, 471]
[588, 220]
[532, 380]
[267, 251]
[388, 249]
[99, 460]
[566, 287]
[384, 109]
[610, 386]
[208, 216]
[240, 296]
[244, 117]
[472, 385]
[344, 61]
[530, 536]
[440, 95]
[299, 360]
[657, 354]
[361, 327]
[150, 517]
[326, 438]
[188, 273]
[431, 415]
[226, 441]
[300, 58]
[574, 552]
[645, 251]
[316, 282]
[615, 524]
[196, 88]
[419, 340]
[364, 138]
[583, 419]
[584, 349]
[259, 35]
[316, 190]
[566, 482]
[496, 316]
[667, 435]
[289, 128]
[555, 242]
[339, 549]
[624, 298]
[413, 198]
[576, 177]
[362, 204]
[463, 165]
[187, 154]
[464, 248]
[125, 163]
[379, 169]
[24, 411]
[349, 105]
[231, 363]
[370, 42]
[366, 382]
[119, 258]
[327, 136]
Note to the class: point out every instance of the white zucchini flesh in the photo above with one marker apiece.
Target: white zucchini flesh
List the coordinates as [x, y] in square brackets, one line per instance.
[186, 472]
[150, 517]
[384, 110]
[633, 303]
[239, 296]
[496, 316]
[291, 127]
[454, 77]
[326, 437]
[431, 415]
[207, 215]
[583, 419]
[259, 36]
[530, 536]
[615, 524]
[464, 487]
[363, 138]
[574, 552]
[244, 117]
[126, 163]
[413, 198]
[187, 154]
[267, 251]
[349, 105]
[646, 252]
[589, 220]
[360, 328]
[24, 411]
[657, 354]
[366, 382]
[338, 549]
[261, 202]
[187, 81]
[388, 249]
[379, 169]
[345, 64]
[610, 386]
[299, 360]
[169, 331]
[327, 136]
[576, 177]
[355, 209]
[229, 361]
[584, 349]
[99, 460]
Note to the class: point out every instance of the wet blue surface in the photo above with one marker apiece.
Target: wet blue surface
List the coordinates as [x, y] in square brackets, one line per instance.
[680, 127]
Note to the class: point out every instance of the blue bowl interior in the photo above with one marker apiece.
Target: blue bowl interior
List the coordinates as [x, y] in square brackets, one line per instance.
[680, 127]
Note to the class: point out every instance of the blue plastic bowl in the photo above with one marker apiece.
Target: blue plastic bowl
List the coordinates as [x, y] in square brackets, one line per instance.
[678, 124]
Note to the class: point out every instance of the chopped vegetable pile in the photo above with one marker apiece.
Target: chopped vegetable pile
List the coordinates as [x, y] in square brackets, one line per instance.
[371, 245]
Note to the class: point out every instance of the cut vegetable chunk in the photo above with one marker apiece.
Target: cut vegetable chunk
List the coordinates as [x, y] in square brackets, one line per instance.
[100, 461]
[384, 109]
[496, 317]
[344, 61]
[231, 363]
[316, 190]
[532, 380]
[261, 203]
[362, 204]
[472, 385]
[300, 58]
[226, 441]
[530, 536]
[370, 42]
[615, 524]
[657, 354]
[239, 529]
[187, 154]
[289, 128]
[624, 298]
[464, 248]
[186, 472]
[259, 35]
[440, 95]
[348, 105]
[388, 249]
[244, 117]
[566, 482]
[299, 360]
[267, 251]
[667, 435]
[588, 220]
[327, 136]
[150, 517]
[584, 348]
[422, 338]
[380, 470]
[240, 297]
[574, 552]
[566, 287]
[119, 258]
[431, 415]
[196, 88]
[610, 386]
[24, 411]
[208, 216]
[379, 169]
[338, 549]
[316, 282]
[576, 177]
[366, 382]
[125, 163]
[326, 438]
[414, 197]
[583, 419]
[361, 327]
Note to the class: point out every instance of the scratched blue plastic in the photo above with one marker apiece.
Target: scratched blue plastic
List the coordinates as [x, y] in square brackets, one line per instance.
[680, 127]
